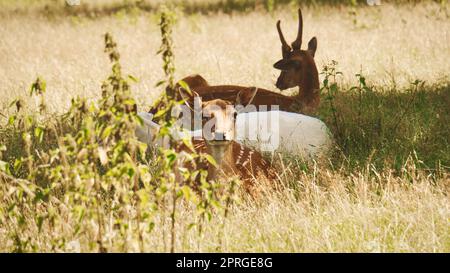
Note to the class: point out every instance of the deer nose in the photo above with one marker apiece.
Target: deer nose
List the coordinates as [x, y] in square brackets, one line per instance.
[281, 86]
[278, 85]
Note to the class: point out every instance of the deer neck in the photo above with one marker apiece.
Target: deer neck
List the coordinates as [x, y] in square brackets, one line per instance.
[222, 154]
[308, 97]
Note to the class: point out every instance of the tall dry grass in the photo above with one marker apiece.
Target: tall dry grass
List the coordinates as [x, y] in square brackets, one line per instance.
[391, 45]
[363, 213]
[366, 212]
[392, 201]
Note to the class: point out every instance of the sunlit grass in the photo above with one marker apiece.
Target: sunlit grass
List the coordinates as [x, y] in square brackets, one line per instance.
[385, 187]
[392, 46]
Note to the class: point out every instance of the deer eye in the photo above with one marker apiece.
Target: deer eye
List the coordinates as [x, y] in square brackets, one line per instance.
[297, 65]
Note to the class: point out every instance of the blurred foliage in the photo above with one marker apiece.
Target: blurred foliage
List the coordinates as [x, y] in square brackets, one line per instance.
[88, 168]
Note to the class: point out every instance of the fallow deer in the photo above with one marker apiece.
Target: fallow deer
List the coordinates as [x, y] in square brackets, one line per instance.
[297, 67]
[232, 158]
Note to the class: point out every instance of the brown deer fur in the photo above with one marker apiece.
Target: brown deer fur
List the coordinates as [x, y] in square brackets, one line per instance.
[237, 161]
[232, 158]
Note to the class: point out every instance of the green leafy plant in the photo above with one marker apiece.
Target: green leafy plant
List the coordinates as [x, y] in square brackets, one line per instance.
[96, 175]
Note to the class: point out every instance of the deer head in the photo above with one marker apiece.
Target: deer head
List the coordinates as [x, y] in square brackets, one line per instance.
[297, 66]
[219, 131]
[219, 120]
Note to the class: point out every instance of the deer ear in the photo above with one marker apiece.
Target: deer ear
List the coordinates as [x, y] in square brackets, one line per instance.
[246, 96]
[284, 64]
[188, 98]
[312, 46]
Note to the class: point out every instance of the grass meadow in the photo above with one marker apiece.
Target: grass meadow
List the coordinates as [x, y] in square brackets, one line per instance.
[384, 188]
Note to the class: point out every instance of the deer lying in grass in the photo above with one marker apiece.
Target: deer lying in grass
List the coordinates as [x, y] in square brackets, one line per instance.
[298, 68]
[232, 158]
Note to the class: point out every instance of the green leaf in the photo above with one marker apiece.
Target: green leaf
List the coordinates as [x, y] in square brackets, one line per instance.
[151, 226]
[185, 86]
[194, 174]
[131, 172]
[4, 167]
[333, 88]
[188, 143]
[160, 83]
[17, 165]
[129, 102]
[11, 120]
[211, 160]
[161, 113]
[186, 192]
[39, 133]
[132, 78]
[171, 157]
[106, 132]
[38, 87]
[13, 102]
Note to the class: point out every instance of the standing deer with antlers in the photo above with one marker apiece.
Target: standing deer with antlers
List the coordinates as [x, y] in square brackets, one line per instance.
[297, 67]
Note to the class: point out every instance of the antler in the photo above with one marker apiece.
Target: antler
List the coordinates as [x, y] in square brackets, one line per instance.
[285, 48]
[298, 42]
